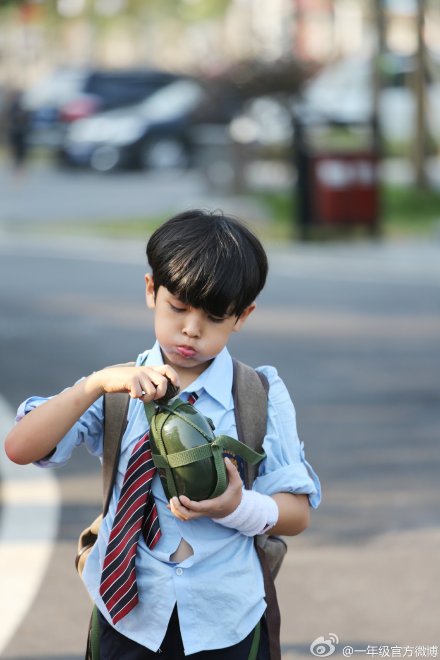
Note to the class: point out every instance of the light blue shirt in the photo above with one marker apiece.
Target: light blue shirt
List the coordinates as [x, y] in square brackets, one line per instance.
[219, 589]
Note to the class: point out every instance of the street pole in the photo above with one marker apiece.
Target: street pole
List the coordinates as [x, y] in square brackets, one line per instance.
[421, 136]
[379, 22]
[298, 28]
[380, 31]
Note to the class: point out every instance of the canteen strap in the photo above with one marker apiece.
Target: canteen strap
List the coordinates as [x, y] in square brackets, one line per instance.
[221, 443]
[202, 452]
[150, 409]
[253, 653]
[231, 444]
[181, 458]
[222, 478]
[155, 432]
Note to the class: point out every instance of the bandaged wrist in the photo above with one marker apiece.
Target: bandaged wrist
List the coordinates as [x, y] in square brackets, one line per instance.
[255, 514]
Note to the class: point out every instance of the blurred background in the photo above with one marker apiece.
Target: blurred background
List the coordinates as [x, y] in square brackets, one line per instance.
[246, 92]
[316, 121]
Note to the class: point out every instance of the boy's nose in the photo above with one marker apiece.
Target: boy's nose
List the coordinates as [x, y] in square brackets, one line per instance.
[191, 331]
[191, 327]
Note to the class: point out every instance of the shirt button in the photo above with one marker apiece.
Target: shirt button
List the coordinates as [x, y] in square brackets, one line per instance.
[179, 571]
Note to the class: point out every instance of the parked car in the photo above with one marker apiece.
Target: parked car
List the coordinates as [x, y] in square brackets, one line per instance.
[265, 121]
[343, 92]
[71, 94]
[159, 132]
[340, 93]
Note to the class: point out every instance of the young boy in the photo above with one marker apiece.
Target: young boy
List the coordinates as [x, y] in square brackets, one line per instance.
[196, 587]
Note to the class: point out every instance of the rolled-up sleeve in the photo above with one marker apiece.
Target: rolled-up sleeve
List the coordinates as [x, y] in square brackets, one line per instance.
[88, 430]
[285, 468]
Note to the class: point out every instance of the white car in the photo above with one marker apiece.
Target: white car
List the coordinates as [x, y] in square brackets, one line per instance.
[342, 92]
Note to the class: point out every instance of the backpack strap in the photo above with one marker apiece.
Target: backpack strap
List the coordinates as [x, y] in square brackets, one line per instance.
[115, 423]
[250, 392]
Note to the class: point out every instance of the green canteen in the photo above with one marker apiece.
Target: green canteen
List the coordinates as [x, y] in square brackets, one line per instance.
[186, 452]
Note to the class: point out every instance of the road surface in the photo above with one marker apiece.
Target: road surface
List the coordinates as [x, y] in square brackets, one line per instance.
[354, 331]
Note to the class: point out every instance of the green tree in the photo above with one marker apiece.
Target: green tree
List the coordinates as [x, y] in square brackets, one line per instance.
[188, 10]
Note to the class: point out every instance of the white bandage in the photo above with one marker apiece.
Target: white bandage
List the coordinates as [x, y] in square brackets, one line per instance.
[255, 514]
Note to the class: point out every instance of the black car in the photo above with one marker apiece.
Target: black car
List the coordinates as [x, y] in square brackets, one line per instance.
[157, 133]
[72, 94]
[106, 90]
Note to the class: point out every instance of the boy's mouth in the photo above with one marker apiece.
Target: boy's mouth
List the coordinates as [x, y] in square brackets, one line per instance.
[186, 351]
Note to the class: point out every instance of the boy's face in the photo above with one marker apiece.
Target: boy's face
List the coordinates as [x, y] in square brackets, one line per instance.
[188, 336]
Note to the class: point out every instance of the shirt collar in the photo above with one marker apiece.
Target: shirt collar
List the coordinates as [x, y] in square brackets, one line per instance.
[216, 380]
[153, 357]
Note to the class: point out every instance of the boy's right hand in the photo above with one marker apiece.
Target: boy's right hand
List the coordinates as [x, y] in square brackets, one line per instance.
[38, 432]
[145, 383]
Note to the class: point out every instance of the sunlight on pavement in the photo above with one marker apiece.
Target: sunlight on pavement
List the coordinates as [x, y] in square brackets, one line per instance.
[29, 501]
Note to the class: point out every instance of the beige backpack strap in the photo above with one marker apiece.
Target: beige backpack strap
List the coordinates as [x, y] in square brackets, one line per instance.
[115, 423]
[250, 391]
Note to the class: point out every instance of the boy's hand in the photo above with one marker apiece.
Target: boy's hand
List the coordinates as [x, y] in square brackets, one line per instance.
[185, 509]
[145, 383]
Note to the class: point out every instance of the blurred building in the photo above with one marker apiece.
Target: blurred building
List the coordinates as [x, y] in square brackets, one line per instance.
[311, 29]
[37, 35]
[322, 30]
[325, 29]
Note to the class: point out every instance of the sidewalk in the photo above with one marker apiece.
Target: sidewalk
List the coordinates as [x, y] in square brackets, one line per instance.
[339, 589]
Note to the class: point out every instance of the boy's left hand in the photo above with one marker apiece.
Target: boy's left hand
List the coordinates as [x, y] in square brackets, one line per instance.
[185, 509]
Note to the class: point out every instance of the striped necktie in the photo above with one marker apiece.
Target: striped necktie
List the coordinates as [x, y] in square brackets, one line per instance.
[136, 511]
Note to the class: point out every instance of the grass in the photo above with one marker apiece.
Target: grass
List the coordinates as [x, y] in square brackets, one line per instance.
[139, 227]
[405, 211]
[410, 210]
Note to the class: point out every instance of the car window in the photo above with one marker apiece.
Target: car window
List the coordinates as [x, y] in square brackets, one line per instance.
[126, 88]
[109, 86]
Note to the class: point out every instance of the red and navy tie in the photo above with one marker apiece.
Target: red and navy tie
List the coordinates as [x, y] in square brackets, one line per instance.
[136, 511]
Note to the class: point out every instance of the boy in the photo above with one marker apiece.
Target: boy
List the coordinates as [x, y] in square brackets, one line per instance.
[196, 588]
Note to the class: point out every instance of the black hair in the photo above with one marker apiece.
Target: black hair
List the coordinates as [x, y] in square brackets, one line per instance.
[208, 260]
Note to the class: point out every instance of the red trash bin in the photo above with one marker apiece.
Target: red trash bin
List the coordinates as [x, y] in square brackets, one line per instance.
[344, 189]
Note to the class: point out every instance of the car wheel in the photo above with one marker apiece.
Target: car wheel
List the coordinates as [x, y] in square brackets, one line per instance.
[163, 154]
[104, 158]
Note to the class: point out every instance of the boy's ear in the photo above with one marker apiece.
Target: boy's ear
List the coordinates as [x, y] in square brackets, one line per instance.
[243, 317]
[149, 291]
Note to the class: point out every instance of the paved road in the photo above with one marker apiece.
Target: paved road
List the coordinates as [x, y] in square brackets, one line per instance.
[355, 334]
[45, 195]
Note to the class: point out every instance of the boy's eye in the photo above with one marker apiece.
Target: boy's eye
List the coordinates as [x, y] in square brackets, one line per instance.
[177, 309]
[213, 319]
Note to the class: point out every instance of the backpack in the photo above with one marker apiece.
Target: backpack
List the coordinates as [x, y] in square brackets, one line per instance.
[250, 391]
